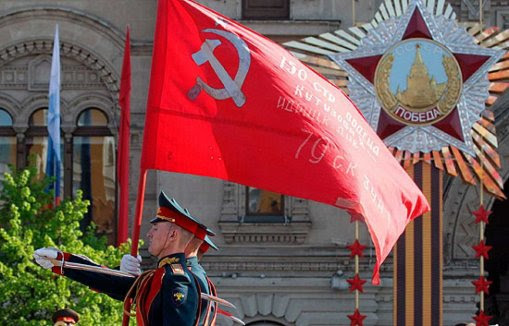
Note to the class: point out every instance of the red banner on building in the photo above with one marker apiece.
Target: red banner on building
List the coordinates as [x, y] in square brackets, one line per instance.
[226, 102]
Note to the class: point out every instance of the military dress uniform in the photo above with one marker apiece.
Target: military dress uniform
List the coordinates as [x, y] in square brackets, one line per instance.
[168, 295]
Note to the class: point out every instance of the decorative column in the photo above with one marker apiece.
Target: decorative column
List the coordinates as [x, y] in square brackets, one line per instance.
[67, 173]
[20, 148]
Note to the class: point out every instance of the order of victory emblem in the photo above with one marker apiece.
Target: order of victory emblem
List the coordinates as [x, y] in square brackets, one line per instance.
[418, 82]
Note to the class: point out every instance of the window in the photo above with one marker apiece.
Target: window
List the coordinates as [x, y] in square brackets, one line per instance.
[36, 143]
[93, 170]
[7, 143]
[90, 164]
[251, 215]
[263, 202]
[263, 206]
[5, 119]
[88, 89]
[92, 118]
[265, 9]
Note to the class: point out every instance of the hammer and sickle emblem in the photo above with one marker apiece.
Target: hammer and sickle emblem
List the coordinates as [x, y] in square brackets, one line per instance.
[232, 87]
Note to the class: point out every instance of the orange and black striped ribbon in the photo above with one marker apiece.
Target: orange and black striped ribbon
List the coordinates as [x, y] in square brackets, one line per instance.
[418, 257]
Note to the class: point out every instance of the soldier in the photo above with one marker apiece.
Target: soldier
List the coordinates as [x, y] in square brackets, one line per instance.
[201, 238]
[168, 295]
[205, 246]
[65, 317]
[208, 313]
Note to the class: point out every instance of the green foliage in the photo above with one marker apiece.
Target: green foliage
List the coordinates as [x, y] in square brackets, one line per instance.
[30, 294]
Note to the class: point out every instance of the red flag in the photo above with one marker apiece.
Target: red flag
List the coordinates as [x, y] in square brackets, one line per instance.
[226, 102]
[124, 100]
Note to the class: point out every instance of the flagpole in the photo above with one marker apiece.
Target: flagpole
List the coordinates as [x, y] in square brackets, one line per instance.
[356, 265]
[481, 228]
[139, 210]
[136, 227]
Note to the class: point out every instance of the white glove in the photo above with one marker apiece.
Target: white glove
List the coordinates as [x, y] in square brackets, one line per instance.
[130, 264]
[42, 256]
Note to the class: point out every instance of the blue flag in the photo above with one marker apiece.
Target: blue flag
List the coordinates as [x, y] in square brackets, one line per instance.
[53, 159]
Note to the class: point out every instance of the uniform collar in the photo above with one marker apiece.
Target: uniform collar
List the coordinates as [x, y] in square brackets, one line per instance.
[178, 258]
[192, 260]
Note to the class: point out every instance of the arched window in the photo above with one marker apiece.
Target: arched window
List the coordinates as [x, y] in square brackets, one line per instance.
[93, 170]
[92, 118]
[36, 143]
[7, 142]
[37, 140]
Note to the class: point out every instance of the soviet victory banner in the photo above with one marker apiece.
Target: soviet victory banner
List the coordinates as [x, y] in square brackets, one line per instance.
[228, 103]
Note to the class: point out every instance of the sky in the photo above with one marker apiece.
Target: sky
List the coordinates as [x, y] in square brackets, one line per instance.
[404, 54]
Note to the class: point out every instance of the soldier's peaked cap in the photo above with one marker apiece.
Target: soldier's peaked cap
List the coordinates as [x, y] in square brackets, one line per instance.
[171, 211]
[66, 315]
[207, 243]
[202, 230]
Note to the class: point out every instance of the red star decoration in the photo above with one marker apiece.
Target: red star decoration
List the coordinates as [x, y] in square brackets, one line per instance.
[356, 283]
[356, 249]
[415, 29]
[357, 318]
[481, 215]
[482, 285]
[482, 319]
[482, 250]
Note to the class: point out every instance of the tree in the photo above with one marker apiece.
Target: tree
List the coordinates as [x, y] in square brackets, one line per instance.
[30, 294]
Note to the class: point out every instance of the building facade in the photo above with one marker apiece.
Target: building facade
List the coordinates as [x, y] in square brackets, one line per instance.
[283, 260]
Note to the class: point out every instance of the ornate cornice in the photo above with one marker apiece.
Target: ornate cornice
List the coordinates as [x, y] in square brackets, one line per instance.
[62, 13]
[286, 264]
[106, 74]
[263, 233]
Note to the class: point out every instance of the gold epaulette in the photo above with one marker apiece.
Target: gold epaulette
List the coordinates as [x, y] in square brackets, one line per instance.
[168, 261]
[176, 268]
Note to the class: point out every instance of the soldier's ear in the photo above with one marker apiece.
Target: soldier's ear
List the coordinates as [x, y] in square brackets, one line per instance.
[172, 235]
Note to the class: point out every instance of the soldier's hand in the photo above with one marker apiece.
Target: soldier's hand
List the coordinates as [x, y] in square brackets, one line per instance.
[131, 264]
[43, 256]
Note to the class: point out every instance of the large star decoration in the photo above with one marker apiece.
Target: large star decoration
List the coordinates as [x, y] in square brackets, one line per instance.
[473, 61]
[482, 250]
[481, 215]
[356, 318]
[356, 283]
[482, 285]
[482, 319]
[356, 249]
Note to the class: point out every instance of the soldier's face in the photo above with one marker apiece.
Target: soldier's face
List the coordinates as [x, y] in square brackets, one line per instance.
[159, 237]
